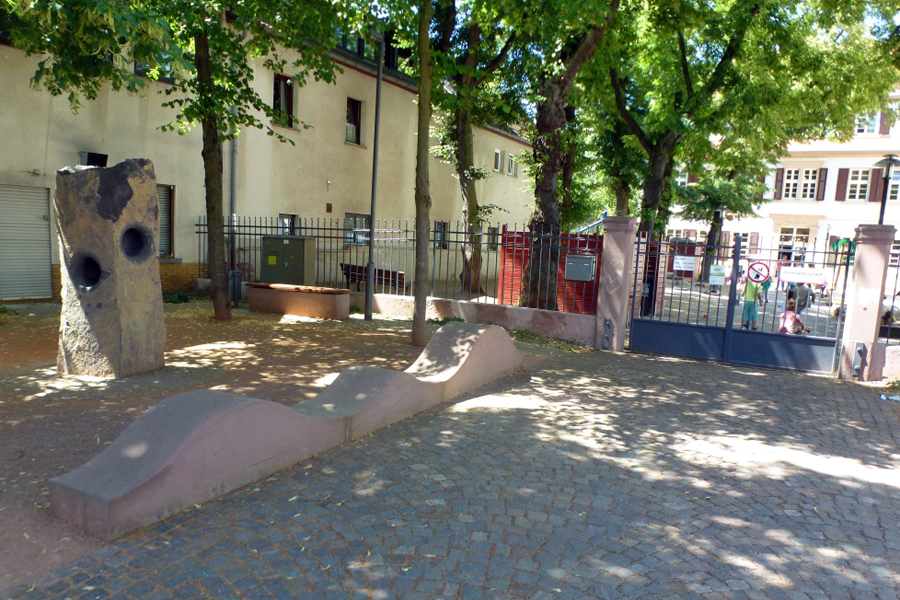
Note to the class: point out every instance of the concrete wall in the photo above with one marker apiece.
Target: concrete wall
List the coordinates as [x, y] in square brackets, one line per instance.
[549, 323]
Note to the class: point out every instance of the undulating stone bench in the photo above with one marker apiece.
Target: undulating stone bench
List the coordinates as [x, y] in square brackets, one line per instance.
[194, 446]
[299, 300]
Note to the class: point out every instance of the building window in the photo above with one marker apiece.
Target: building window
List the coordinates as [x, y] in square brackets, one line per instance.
[498, 160]
[287, 224]
[440, 234]
[283, 100]
[791, 184]
[165, 195]
[163, 73]
[681, 179]
[493, 238]
[866, 123]
[511, 165]
[792, 242]
[858, 186]
[894, 260]
[356, 228]
[354, 121]
[894, 189]
[810, 182]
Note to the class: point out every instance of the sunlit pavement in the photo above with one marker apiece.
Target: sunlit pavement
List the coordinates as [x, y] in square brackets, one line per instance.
[593, 476]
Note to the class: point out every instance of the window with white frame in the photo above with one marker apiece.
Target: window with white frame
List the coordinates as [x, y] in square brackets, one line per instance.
[511, 165]
[356, 228]
[681, 178]
[894, 189]
[498, 160]
[810, 182]
[794, 236]
[791, 184]
[283, 100]
[493, 238]
[894, 260]
[440, 234]
[353, 134]
[858, 184]
[866, 123]
[286, 224]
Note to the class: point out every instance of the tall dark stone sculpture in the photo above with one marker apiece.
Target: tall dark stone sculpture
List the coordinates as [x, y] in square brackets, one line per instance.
[112, 318]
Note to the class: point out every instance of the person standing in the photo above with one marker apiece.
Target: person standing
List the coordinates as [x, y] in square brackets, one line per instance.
[802, 297]
[765, 285]
[752, 297]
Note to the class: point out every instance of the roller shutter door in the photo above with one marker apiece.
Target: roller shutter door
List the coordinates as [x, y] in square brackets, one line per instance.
[24, 243]
[164, 194]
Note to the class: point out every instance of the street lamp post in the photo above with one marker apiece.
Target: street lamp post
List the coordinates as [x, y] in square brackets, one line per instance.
[370, 266]
[888, 163]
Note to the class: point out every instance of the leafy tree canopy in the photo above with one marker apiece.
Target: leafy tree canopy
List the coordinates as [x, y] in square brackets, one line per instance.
[681, 72]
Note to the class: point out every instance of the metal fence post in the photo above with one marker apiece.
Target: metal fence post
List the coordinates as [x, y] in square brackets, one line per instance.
[732, 298]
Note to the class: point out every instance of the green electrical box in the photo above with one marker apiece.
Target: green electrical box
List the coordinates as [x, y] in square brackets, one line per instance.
[288, 259]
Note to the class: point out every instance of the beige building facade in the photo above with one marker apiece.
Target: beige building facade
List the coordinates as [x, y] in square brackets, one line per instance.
[326, 173]
[820, 192]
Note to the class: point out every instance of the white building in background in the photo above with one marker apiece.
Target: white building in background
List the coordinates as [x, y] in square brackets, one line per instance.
[327, 173]
[819, 193]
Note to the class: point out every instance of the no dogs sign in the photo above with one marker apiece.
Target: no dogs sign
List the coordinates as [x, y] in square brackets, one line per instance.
[758, 272]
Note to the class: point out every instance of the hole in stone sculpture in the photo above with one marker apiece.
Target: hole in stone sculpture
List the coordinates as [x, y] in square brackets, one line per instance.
[85, 271]
[136, 243]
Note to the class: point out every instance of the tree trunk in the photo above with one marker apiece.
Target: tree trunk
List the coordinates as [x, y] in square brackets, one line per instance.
[660, 161]
[212, 177]
[623, 197]
[712, 243]
[423, 192]
[539, 278]
[465, 163]
[567, 201]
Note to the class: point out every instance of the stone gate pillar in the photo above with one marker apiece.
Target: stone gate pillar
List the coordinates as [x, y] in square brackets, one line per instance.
[108, 221]
[616, 280]
[862, 304]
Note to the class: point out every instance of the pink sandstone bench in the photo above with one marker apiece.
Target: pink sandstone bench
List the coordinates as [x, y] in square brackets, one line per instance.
[299, 300]
[197, 445]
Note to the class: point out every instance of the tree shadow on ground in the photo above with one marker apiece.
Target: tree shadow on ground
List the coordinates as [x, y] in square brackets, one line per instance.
[603, 476]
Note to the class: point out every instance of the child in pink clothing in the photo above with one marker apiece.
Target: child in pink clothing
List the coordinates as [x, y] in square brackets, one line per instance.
[790, 320]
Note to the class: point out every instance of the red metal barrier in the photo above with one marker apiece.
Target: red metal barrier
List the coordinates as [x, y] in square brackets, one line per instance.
[572, 296]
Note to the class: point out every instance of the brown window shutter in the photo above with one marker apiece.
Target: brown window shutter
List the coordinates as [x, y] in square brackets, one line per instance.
[884, 128]
[779, 181]
[692, 178]
[754, 240]
[876, 185]
[820, 190]
[841, 193]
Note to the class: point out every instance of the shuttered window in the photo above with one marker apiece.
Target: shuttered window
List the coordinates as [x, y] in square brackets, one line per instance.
[858, 184]
[166, 196]
[24, 243]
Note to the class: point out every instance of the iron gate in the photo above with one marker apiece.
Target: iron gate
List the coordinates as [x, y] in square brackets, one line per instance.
[687, 302]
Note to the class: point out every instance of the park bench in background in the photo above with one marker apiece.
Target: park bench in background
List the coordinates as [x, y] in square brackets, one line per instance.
[357, 274]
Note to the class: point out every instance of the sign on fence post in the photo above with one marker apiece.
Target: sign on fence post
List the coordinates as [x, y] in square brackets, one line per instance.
[683, 263]
[717, 275]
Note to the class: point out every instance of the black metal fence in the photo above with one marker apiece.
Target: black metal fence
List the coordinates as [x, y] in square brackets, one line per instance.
[889, 332]
[342, 250]
[681, 280]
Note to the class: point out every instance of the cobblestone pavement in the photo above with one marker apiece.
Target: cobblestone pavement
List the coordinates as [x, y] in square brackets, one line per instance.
[593, 476]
